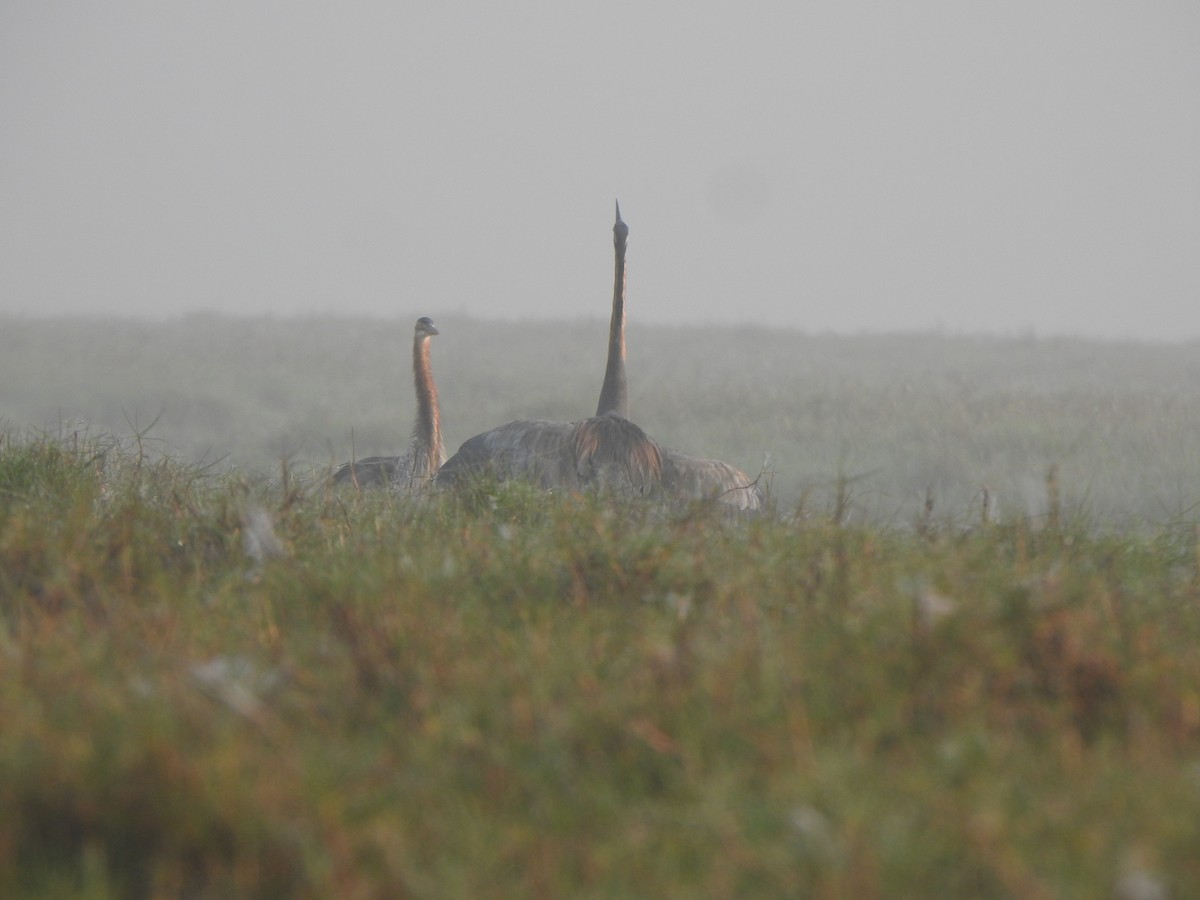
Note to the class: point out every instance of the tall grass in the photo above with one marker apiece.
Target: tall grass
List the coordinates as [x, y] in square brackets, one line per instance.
[900, 418]
[516, 695]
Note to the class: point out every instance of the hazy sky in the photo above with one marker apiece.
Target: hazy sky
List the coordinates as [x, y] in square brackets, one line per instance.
[1003, 167]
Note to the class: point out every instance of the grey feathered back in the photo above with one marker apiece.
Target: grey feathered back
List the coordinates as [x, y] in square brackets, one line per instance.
[603, 452]
[692, 478]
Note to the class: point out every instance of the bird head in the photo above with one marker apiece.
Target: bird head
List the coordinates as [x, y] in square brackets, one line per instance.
[620, 231]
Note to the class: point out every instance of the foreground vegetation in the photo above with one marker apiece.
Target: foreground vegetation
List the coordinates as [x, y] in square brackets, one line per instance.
[514, 695]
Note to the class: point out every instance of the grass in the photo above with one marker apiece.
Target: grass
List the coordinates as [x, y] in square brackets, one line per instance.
[899, 416]
[518, 695]
[881, 691]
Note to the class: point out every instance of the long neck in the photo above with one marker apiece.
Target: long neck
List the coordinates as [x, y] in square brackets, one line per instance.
[614, 395]
[427, 432]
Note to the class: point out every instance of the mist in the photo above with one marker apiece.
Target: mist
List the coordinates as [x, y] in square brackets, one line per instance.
[1031, 168]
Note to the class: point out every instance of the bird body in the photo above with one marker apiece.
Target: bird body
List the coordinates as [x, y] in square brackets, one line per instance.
[692, 479]
[368, 472]
[599, 453]
[526, 449]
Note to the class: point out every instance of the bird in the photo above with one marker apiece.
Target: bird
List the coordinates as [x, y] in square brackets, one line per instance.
[425, 454]
[681, 476]
[605, 451]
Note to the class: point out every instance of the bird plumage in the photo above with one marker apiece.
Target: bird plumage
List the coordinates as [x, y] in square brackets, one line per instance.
[602, 452]
[691, 478]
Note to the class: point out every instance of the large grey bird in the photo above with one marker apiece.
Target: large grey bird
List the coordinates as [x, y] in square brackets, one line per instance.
[607, 450]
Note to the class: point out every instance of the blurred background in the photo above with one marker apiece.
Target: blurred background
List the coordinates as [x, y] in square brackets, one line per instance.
[1030, 168]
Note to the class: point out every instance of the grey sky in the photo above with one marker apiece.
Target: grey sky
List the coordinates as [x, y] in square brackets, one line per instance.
[834, 166]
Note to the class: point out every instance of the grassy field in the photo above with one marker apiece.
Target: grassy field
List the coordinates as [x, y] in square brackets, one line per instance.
[902, 417]
[514, 695]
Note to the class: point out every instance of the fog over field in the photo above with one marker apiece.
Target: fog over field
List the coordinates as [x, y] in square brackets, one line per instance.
[897, 419]
[1031, 168]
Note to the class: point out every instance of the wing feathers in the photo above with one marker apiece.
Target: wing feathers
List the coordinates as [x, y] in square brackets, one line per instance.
[606, 452]
[687, 477]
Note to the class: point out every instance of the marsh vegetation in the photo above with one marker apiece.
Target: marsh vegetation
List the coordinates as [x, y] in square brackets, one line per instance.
[505, 693]
[896, 418]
